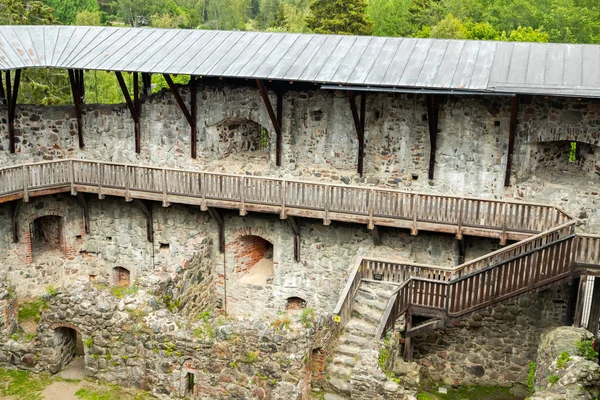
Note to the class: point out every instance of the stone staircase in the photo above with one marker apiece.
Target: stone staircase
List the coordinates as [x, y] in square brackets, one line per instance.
[357, 350]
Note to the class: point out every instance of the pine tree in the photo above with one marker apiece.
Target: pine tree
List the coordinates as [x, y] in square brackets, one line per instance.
[347, 17]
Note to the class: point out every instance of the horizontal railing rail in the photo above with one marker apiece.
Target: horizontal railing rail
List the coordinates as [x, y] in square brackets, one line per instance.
[588, 250]
[328, 201]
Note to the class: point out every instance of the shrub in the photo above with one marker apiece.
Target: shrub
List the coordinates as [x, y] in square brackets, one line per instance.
[307, 317]
[586, 349]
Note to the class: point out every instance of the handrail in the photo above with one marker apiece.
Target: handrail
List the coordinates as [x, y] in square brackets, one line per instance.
[313, 199]
[344, 307]
[542, 259]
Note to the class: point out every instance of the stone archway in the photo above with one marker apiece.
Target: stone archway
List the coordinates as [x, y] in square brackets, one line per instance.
[69, 348]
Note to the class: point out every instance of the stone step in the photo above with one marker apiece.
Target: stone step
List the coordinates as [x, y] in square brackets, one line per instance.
[377, 304]
[378, 289]
[341, 359]
[353, 340]
[342, 386]
[369, 314]
[358, 327]
[333, 396]
[348, 350]
[339, 371]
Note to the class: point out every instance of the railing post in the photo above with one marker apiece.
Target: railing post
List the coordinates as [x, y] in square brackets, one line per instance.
[165, 201]
[326, 220]
[283, 214]
[72, 178]
[459, 234]
[504, 223]
[371, 208]
[243, 211]
[25, 184]
[127, 183]
[203, 205]
[414, 231]
[100, 179]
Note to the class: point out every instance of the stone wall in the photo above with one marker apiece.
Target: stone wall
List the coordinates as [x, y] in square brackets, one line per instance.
[144, 346]
[8, 310]
[319, 138]
[493, 346]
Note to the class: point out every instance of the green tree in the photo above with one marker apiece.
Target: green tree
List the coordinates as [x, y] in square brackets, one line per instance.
[347, 17]
[228, 14]
[137, 12]
[66, 11]
[90, 18]
[25, 12]
[390, 17]
[449, 28]
[482, 31]
[526, 34]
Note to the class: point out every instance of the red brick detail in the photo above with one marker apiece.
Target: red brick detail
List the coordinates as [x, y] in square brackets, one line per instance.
[64, 325]
[248, 251]
[317, 364]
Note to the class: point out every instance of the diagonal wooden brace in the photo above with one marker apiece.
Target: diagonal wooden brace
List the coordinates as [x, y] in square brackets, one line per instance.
[15, 220]
[297, 242]
[221, 223]
[146, 209]
[276, 120]
[359, 125]
[134, 108]
[190, 115]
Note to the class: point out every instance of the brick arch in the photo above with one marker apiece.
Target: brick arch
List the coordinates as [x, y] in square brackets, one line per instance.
[252, 231]
[249, 245]
[577, 133]
[64, 325]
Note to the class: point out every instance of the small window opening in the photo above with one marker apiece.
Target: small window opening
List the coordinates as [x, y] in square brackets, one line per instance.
[496, 123]
[78, 237]
[295, 303]
[121, 277]
[189, 387]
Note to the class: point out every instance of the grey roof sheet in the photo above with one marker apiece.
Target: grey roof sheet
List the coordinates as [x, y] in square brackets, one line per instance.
[537, 68]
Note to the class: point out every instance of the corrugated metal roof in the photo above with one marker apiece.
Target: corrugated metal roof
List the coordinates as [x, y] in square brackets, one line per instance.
[460, 65]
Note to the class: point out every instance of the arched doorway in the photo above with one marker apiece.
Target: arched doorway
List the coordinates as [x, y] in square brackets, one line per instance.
[564, 156]
[253, 259]
[47, 238]
[69, 348]
[121, 277]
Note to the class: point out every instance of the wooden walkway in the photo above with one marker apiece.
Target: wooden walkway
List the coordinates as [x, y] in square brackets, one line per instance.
[504, 220]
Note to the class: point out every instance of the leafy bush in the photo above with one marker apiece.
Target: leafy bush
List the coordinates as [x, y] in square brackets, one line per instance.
[586, 349]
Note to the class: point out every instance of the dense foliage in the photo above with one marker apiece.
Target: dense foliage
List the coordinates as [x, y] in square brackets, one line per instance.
[569, 21]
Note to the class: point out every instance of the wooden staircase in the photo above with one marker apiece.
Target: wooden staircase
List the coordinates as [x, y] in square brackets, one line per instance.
[431, 297]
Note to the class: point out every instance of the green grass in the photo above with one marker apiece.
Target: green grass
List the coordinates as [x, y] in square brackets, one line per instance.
[563, 359]
[22, 385]
[31, 311]
[586, 350]
[110, 392]
[531, 377]
[122, 291]
[474, 392]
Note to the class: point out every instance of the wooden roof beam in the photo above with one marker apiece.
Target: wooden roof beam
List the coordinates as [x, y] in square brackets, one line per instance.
[512, 132]
[134, 107]
[12, 92]
[76, 81]
[359, 124]
[191, 114]
[276, 120]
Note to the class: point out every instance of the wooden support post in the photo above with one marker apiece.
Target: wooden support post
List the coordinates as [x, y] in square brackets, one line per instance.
[146, 209]
[432, 120]
[12, 93]
[581, 290]
[462, 249]
[75, 90]
[511, 138]
[275, 119]
[15, 220]
[221, 223]
[408, 349]
[359, 125]
[190, 115]
[376, 235]
[86, 211]
[572, 302]
[194, 112]
[133, 108]
[595, 310]
[297, 242]
[2, 92]
[147, 84]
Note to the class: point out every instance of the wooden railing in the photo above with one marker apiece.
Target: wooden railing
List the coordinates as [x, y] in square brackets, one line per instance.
[516, 269]
[343, 309]
[373, 206]
[588, 251]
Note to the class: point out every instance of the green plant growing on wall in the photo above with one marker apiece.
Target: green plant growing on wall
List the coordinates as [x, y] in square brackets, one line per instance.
[307, 317]
[251, 357]
[553, 378]
[573, 152]
[563, 359]
[89, 342]
[31, 311]
[531, 377]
